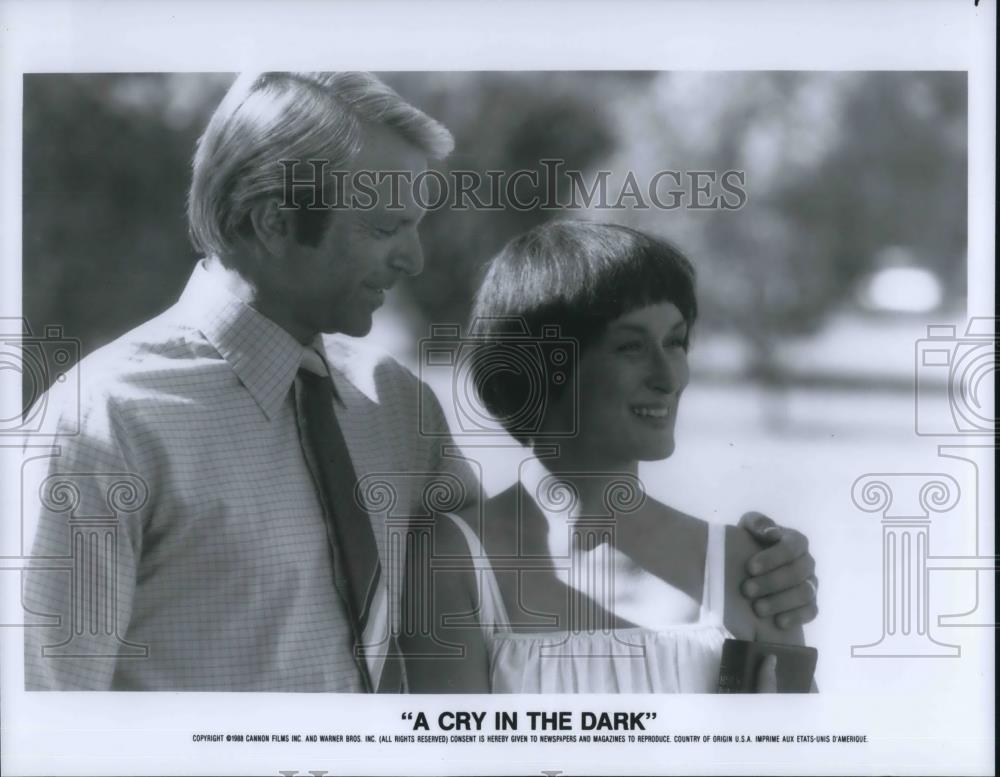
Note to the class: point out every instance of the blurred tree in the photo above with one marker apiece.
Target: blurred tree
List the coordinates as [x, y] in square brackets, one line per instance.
[105, 175]
[840, 166]
[506, 122]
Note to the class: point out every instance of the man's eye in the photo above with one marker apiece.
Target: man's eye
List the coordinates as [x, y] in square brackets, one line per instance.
[385, 232]
[633, 346]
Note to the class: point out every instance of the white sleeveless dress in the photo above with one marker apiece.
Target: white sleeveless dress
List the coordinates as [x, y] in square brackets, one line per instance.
[681, 658]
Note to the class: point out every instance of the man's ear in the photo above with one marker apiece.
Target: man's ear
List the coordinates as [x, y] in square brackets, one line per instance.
[272, 226]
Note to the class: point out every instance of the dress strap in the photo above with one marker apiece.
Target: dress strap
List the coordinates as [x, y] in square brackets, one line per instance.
[492, 613]
[713, 602]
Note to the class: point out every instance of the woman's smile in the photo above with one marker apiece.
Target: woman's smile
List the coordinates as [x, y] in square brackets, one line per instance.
[651, 412]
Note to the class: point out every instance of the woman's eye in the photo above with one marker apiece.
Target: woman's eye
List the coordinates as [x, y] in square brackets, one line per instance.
[630, 347]
[384, 232]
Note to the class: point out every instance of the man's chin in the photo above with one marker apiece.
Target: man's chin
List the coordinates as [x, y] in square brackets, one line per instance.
[351, 328]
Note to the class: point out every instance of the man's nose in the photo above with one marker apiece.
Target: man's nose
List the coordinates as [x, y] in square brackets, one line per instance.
[408, 256]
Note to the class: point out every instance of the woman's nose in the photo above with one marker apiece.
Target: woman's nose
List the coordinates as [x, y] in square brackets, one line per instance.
[668, 371]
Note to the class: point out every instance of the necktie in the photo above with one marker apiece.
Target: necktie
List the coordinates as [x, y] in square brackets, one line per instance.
[356, 567]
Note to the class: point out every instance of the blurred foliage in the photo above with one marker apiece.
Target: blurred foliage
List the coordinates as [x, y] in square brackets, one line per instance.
[106, 162]
[502, 121]
[840, 167]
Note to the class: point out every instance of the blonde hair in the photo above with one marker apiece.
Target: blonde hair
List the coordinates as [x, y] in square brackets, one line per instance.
[267, 117]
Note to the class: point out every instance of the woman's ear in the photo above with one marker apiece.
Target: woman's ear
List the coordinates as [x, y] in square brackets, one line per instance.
[271, 226]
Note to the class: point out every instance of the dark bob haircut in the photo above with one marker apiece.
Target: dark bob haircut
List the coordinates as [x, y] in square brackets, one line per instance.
[575, 275]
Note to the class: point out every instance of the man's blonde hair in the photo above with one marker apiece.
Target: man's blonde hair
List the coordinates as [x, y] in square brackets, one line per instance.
[268, 117]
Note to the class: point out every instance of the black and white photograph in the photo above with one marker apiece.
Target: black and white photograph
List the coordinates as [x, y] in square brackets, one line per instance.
[466, 418]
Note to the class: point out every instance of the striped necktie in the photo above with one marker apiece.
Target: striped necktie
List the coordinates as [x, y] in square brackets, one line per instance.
[356, 567]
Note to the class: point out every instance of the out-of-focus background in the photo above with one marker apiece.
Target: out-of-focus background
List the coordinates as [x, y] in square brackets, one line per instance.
[855, 219]
[813, 296]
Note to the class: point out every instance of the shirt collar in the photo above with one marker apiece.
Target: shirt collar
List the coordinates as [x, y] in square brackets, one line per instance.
[263, 355]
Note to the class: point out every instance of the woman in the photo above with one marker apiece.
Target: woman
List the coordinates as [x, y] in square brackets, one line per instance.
[572, 580]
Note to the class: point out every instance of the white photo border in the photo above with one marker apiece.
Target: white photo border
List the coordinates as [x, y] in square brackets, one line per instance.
[115, 733]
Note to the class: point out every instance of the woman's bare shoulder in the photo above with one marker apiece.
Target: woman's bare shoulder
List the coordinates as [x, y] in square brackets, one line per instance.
[664, 527]
[665, 542]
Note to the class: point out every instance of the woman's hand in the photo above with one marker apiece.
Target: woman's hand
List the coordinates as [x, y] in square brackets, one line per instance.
[767, 675]
[782, 582]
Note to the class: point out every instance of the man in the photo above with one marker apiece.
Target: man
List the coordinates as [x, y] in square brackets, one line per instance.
[251, 556]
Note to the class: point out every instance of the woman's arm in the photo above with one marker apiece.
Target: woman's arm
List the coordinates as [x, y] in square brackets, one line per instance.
[441, 638]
